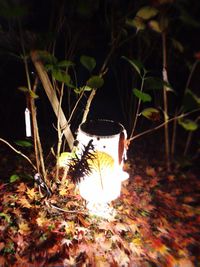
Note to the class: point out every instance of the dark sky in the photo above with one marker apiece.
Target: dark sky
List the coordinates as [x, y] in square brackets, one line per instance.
[88, 27]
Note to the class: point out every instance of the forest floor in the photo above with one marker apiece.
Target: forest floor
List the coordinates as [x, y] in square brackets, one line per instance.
[156, 220]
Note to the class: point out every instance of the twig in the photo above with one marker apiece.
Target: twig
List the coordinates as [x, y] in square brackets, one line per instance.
[18, 152]
[138, 108]
[101, 73]
[64, 210]
[161, 125]
[165, 99]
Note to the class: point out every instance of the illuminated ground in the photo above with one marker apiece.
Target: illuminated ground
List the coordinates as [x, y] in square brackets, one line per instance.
[156, 223]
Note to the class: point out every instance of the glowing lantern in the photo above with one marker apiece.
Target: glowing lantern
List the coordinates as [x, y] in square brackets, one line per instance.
[103, 183]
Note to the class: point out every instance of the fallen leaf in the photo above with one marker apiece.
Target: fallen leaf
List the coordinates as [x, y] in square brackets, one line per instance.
[21, 188]
[84, 222]
[2, 245]
[31, 193]
[150, 171]
[23, 201]
[24, 228]
[41, 219]
[185, 263]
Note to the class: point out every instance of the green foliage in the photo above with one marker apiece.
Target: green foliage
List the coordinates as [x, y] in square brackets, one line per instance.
[5, 216]
[47, 58]
[137, 65]
[95, 82]
[155, 26]
[150, 113]
[155, 83]
[61, 76]
[88, 62]
[58, 69]
[137, 23]
[142, 16]
[23, 143]
[188, 124]
[185, 16]
[12, 10]
[144, 97]
[177, 45]
[65, 64]
[14, 178]
[147, 12]
[23, 89]
[191, 101]
[79, 90]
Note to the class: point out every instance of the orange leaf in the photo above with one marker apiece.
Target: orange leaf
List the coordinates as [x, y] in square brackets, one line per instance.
[23, 201]
[185, 263]
[21, 188]
[2, 245]
[150, 171]
[83, 221]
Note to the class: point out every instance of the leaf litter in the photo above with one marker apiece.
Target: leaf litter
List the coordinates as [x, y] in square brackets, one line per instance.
[156, 223]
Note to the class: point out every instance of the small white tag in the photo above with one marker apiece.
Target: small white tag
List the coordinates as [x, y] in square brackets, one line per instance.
[28, 123]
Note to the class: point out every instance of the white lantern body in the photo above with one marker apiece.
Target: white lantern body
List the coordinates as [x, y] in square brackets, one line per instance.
[107, 137]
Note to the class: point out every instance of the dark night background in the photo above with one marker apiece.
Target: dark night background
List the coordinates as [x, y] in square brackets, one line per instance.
[90, 28]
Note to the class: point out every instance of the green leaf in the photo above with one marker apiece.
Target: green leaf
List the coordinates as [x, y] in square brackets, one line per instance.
[144, 97]
[137, 65]
[147, 12]
[177, 45]
[95, 82]
[47, 57]
[33, 94]
[14, 178]
[191, 101]
[150, 113]
[78, 90]
[23, 143]
[137, 23]
[154, 83]
[188, 124]
[6, 216]
[155, 26]
[87, 88]
[62, 76]
[88, 62]
[65, 64]
[189, 20]
[23, 89]
[81, 89]
[49, 67]
[12, 10]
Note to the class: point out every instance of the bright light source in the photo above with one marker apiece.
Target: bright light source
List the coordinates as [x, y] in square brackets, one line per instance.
[103, 184]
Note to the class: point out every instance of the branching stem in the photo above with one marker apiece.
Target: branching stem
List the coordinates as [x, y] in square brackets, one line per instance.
[18, 152]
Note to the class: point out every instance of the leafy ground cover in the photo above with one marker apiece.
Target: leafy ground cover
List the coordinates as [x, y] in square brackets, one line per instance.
[156, 223]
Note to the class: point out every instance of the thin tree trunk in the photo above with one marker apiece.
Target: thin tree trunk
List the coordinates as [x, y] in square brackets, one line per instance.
[52, 97]
[165, 100]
